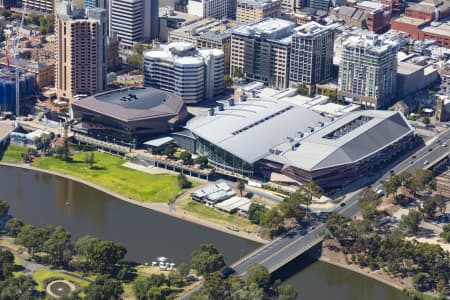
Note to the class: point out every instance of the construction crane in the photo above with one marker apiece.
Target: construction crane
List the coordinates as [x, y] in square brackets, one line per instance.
[14, 53]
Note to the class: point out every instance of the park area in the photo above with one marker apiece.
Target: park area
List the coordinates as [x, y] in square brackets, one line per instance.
[13, 154]
[108, 172]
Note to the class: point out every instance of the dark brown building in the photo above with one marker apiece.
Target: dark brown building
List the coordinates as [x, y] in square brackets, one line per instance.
[129, 116]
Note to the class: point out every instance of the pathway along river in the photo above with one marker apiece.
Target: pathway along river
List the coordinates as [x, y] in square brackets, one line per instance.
[41, 199]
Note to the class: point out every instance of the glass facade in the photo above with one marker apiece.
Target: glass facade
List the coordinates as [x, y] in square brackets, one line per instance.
[223, 159]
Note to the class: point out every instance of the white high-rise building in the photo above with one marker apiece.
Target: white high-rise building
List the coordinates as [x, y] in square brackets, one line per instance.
[212, 8]
[179, 67]
[368, 71]
[134, 20]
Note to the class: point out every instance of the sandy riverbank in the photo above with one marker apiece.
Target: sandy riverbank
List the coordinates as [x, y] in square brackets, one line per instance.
[340, 260]
[158, 207]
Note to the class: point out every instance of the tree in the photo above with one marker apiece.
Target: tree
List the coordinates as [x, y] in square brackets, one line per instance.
[310, 190]
[17, 288]
[286, 292]
[421, 179]
[411, 221]
[33, 238]
[33, 18]
[255, 212]
[426, 121]
[169, 151]
[215, 286]
[85, 245]
[135, 60]
[207, 260]
[391, 186]
[258, 275]
[4, 208]
[183, 182]
[302, 89]
[241, 187]
[440, 201]
[66, 150]
[429, 208]
[184, 270]
[237, 73]
[228, 81]
[14, 226]
[368, 203]
[89, 159]
[202, 161]
[106, 255]
[422, 281]
[272, 218]
[46, 25]
[45, 140]
[185, 157]
[332, 95]
[58, 246]
[445, 234]
[104, 288]
[6, 264]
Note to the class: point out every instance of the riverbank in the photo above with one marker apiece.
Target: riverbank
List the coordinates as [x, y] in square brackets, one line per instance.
[339, 259]
[158, 207]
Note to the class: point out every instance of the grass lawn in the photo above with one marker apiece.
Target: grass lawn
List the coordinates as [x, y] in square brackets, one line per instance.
[208, 213]
[109, 173]
[128, 293]
[41, 275]
[13, 154]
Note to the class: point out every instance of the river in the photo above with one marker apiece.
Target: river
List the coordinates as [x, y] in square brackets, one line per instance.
[41, 199]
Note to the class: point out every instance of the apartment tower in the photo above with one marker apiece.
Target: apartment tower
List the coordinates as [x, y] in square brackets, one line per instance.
[368, 71]
[311, 58]
[80, 50]
[260, 51]
[256, 10]
[217, 9]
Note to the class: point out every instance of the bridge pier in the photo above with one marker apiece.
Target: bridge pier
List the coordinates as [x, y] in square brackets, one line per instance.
[300, 262]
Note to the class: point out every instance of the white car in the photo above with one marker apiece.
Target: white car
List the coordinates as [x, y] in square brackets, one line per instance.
[426, 162]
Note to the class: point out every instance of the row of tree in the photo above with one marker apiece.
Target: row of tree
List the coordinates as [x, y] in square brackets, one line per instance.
[388, 249]
[294, 209]
[53, 245]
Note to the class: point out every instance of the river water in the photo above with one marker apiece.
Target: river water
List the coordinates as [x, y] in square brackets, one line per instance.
[41, 199]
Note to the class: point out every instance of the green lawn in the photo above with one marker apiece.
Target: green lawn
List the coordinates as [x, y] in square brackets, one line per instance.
[41, 275]
[109, 173]
[13, 154]
[208, 213]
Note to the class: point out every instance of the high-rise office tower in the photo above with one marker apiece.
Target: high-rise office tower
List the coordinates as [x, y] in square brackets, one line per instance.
[256, 10]
[319, 4]
[134, 20]
[311, 59]
[368, 71]
[80, 50]
[39, 6]
[260, 51]
[212, 8]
